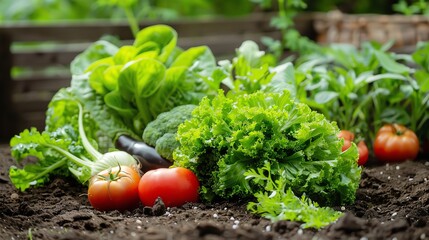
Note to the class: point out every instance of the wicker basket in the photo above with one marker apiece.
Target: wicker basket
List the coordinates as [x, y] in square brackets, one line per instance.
[405, 31]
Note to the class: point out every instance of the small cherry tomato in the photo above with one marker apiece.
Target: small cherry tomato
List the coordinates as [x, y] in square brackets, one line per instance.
[363, 153]
[348, 138]
[395, 142]
[176, 186]
[346, 145]
[346, 134]
[115, 189]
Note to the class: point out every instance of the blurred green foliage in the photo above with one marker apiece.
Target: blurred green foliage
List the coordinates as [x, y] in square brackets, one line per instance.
[415, 7]
[51, 10]
[43, 10]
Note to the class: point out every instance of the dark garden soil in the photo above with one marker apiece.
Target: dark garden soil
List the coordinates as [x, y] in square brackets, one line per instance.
[392, 203]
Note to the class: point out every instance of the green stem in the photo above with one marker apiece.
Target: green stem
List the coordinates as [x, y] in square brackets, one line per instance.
[50, 169]
[30, 235]
[143, 106]
[70, 156]
[86, 144]
[282, 10]
[419, 110]
[132, 21]
[376, 114]
[415, 111]
[422, 112]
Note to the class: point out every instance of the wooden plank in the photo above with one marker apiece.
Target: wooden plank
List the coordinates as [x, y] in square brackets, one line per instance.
[91, 31]
[60, 54]
[227, 44]
[193, 33]
[40, 83]
[257, 22]
[28, 120]
[65, 32]
[31, 102]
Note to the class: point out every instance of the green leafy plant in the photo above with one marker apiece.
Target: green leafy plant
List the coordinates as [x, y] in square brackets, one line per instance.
[253, 70]
[133, 10]
[284, 21]
[127, 6]
[63, 152]
[148, 78]
[50, 10]
[419, 100]
[152, 76]
[231, 135]
[363, 89]
[408, 8]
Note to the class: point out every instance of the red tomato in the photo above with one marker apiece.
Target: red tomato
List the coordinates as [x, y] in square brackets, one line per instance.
[395, 142]
[346, 134]
[348, 139]
[346, 145]
[115, 189]
[176, 186]
[363, 153]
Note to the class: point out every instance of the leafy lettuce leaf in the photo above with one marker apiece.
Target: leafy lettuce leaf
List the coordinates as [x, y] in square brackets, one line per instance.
[253, 70]
[161, 39]
[98, 50]
[50, 162]
[279, 202]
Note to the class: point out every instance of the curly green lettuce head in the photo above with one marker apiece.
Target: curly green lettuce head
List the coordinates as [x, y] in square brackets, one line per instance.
[231, 135]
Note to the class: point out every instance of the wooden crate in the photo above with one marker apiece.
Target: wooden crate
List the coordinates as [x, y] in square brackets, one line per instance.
[24, 99]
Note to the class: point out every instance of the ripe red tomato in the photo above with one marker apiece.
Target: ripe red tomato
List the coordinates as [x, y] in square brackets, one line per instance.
[346, 134]
[363, 153]
[176, 186]
[348, 139]
[395, 142]
[346, 145]
[115, 189]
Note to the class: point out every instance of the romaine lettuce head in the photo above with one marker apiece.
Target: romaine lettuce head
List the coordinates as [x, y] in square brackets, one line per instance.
[140, 81]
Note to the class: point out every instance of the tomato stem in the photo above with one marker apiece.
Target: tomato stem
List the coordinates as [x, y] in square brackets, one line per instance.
[398, 130]
[114, 176]
[110, 177]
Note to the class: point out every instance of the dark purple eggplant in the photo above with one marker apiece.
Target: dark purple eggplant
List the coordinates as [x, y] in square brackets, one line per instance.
[148, 157]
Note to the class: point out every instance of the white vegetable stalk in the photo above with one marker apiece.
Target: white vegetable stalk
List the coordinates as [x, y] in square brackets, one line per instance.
[107, 160]
[98, 162]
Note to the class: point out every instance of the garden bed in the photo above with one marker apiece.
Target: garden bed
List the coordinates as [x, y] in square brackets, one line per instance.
[392, 203]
